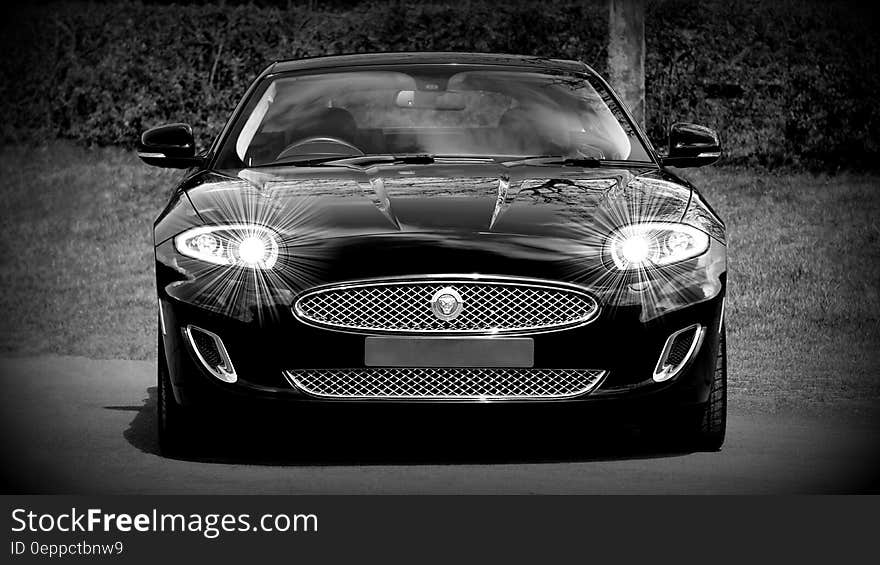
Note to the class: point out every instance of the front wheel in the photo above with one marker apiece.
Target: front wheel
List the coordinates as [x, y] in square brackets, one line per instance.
[175, 427]
[707, 432]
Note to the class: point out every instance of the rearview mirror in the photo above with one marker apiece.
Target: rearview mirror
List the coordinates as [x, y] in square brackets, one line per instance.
[431, 100]
[170, 146]
[691, 145]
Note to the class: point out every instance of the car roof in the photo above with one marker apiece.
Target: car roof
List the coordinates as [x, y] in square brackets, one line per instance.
[429, 58]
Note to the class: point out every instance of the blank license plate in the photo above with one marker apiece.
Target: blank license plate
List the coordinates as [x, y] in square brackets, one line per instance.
[449, 352]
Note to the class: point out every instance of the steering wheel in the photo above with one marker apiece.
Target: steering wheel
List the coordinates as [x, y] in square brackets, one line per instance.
[320, 145]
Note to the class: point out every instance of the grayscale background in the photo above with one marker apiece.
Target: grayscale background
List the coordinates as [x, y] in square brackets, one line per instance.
[792, 87]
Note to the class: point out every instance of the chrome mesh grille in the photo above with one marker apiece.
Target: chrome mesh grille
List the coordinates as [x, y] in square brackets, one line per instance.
[431, 383]
[488, 307]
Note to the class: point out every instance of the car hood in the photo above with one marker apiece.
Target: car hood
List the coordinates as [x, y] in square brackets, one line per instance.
[449, 200]
[337, 224]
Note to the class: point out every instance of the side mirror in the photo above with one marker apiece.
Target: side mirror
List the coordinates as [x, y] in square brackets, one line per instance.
[691, 145]
[171, 146]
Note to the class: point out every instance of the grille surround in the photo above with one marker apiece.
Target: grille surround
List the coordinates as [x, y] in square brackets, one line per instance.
[438, 383]
[491, 306]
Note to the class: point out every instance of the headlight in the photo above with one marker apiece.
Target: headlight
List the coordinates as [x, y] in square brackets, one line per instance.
[639, 246]
[241, 245]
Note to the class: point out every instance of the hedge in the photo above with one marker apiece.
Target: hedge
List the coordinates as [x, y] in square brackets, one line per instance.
[793, 82]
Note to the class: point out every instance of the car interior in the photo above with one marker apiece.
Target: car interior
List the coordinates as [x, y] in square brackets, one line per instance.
[462, 115]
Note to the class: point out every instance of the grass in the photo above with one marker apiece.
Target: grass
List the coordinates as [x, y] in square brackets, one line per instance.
[76, 262]
[804, 283]
[76, 268]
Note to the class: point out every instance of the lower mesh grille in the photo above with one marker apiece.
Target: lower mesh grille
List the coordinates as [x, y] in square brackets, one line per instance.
[431, 383]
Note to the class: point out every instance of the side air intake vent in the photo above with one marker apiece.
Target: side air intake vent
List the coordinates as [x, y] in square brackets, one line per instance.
[679, 349]
[211, 352]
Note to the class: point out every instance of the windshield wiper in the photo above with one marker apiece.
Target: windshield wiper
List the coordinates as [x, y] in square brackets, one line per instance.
[414, 159]
[363, 161]
[307, 162]
[352, 161]
[555, 160]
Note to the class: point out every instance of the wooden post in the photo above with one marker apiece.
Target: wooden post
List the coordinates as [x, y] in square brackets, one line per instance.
[626, 53]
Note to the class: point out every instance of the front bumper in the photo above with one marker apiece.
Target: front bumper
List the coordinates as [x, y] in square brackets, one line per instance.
[617, 343]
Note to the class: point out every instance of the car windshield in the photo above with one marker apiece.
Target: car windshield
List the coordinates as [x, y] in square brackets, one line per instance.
[436, 110]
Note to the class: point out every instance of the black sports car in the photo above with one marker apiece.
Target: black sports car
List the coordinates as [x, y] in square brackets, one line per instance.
[439, 228]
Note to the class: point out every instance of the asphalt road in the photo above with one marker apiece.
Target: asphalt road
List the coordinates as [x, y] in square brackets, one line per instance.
[78, 426]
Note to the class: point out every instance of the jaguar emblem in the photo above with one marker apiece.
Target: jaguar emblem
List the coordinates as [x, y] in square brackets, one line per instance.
[446, 304]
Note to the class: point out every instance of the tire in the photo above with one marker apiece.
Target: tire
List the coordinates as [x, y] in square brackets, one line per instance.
[174, 423]
[711, 425]
[697, 428]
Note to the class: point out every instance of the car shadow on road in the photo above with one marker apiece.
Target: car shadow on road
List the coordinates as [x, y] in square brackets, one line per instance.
[402, 436]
